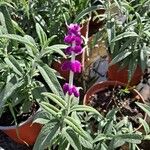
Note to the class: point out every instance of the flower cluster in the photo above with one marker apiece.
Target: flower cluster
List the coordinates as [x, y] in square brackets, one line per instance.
[74, 40]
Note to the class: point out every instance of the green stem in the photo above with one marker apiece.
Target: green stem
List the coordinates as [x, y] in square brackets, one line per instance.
[71, 76]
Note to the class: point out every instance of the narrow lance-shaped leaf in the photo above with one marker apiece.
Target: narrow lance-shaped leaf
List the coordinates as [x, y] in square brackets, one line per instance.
[85, 108]
[144, 107]
[48, 132]
[87, 11]
[131, 68]
[12, 63]
[142, 58]
[72, 138]
[7, 92]
[58, 100]
[49, 108]
[55, 49]
[130, 138]
[122, 55]
[124, 35]
[51, 79]
[17, 38]
[72, 123]
[41, 34]
[145, 125]
[9, 25]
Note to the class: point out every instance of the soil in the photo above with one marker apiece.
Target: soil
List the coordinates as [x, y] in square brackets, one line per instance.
[20, 118]
[117, 97]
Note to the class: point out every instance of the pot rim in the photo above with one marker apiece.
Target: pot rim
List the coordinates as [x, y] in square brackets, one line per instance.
[20, 124]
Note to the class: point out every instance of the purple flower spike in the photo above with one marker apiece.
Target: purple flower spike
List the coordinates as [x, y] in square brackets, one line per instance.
[77, 49]
[66, 87]
[74, 29]
[68, 39]
[69, 50]
[78, 40]
[71, 90]
[66, 66]
[75, 66]
[75, 91]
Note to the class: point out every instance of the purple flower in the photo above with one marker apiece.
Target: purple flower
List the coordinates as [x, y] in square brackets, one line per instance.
[76, 49]
[74, 29]
[68, 39]
[66, 87]
[78, 40]
[75, 91]
[71, 90]
[74, 66]
[72, 39]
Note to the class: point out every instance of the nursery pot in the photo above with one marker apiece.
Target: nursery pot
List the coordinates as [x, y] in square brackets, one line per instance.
[121, 75]
[101, 86]
[27, 131]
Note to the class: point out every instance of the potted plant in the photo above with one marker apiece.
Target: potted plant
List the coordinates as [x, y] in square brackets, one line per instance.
[24, 77]
[124, 22]
[107, 95]
[67, 124]
[128, 40]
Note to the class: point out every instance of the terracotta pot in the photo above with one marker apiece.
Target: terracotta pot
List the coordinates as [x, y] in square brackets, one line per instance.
[121, 75]
[103, 85]
[28, 132]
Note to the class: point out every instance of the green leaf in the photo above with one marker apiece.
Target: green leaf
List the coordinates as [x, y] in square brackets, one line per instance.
[17, 27]
[130, 138]
[87, 11]
[51, 79]
[73, 124]
[37, 93]
[48, 132]
[124, 35]
[55, 49]
[32, 41]
[145, 125]
[144, 107]
[8, 91]
[147, 137]
[72, 138]
[42, 117]
[85, 108]
[86, 143]
[147, 33]
[49, 108]
[57, 99]
[12, 63]
[143, 58]
[9, 25]
[41, 34]
[101, 137]
[122, 55]
[17, 38]
[131, 68]
[110, 115]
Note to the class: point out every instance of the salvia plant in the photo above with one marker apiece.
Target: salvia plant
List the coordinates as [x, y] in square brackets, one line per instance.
[63, 128]
[68, 125]
[24, 75]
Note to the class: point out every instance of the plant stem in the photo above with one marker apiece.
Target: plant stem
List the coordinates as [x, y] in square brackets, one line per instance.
[71, 76]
